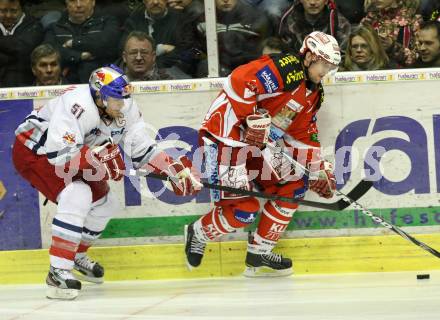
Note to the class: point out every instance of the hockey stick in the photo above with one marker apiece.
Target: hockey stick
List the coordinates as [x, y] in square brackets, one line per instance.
[390, 226]
[358, 191]
[347, 198]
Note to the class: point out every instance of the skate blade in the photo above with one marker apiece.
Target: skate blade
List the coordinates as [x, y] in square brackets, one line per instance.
[62, 294]
[83, 277]
[265, 272]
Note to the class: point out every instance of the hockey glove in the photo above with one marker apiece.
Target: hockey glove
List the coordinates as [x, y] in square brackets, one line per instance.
[109, 161]
[258, 128]
[184, 179]
[321, 179]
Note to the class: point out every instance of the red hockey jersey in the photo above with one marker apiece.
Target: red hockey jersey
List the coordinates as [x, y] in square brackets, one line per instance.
[275, 83]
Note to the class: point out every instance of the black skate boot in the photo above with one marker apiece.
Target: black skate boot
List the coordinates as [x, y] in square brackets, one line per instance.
[194, 248]
[267, 265]
[62, 284]
[89, 270]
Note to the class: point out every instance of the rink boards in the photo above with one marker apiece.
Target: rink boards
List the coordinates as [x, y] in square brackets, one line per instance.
[391, 116]
[224, 259]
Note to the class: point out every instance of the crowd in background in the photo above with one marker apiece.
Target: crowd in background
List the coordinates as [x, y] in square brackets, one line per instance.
[61, 41]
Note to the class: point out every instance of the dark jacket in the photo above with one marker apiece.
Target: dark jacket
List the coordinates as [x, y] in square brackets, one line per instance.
[15, 51]
[98, 35]
[170, 29]
[240, 33]
[294, 27]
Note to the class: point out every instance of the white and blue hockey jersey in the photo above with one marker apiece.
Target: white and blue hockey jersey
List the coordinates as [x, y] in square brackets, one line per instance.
[71, 121]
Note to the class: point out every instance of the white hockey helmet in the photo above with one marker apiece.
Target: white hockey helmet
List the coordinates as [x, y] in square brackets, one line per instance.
[323, 45]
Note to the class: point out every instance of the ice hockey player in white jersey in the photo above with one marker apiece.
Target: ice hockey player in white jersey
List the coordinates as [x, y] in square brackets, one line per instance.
[68, 150]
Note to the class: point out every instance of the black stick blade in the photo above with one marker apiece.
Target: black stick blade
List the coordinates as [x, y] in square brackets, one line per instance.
[358, 191]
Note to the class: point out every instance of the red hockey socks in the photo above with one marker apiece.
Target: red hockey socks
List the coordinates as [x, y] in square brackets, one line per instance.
[273, 222]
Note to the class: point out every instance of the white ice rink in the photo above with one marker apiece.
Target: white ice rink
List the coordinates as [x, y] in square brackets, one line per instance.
[372, 296]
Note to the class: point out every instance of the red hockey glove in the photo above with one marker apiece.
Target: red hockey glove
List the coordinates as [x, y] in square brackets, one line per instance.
[258, 127]
[322, 180]
[110, 161]
[184, 179]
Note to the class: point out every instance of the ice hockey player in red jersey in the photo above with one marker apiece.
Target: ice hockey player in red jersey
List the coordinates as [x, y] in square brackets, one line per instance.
[267, 105]
[68, 150]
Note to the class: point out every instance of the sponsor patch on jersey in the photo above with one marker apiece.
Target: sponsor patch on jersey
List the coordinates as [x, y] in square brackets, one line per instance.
[268, 80]
[314, 137]
[69, 138]
[245, 217]
[299, 193]
[294, 105]
[290, 68]
[212, 169]
[285, 60]
[95, 131]
[275, 133]
[117, 132]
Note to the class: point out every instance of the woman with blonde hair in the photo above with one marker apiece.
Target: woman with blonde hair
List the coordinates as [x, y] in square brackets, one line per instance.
[364, 51]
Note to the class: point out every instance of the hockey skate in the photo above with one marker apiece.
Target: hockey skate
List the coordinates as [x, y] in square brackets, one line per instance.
[267, 265]
[194, 248]
[62, 284]
[88, 270]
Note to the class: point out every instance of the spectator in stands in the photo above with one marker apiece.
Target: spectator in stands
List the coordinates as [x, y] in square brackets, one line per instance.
[46, 66]
[193, 11]
[240, 30]
[428, 45]
[353, 10]
[167, 27]
[47, 11]
[19, 35]
[274, 9]
[273, 45]
[85, 39]
[305, 16]
[364, 51]
[139, 58]
[396, 22]
[116, 8]
[429, 9]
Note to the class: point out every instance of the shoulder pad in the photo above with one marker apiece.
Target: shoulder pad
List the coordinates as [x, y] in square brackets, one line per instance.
[290, 68]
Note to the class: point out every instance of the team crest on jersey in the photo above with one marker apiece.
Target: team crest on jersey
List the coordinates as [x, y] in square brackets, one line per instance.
[69, 138]
[252, 85]
[268, 79]
[250, 90]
